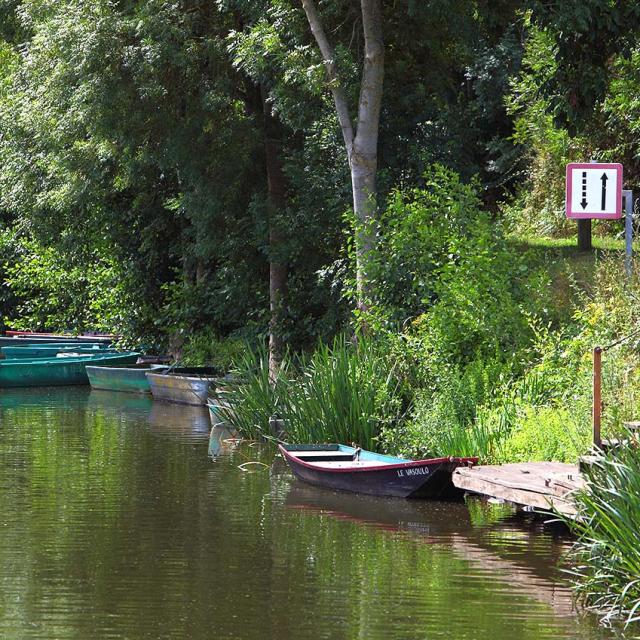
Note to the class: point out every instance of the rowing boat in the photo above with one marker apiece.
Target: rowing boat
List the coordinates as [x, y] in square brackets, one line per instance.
[50, 351]
[131, 379]
[45, 372]
[337, 466]
[184, 385]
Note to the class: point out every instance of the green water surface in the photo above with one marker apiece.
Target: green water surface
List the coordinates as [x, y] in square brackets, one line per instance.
[115, 524]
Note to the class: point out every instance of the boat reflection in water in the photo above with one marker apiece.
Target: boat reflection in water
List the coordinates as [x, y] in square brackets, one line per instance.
[223, 439]
[179, 421]
[110, 402]
[506, 551]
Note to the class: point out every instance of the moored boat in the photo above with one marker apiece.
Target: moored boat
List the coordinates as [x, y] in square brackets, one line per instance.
[131, 379]
[337, 466]
[44, 372]
[50, 351]
[184, 385]
[84, 337]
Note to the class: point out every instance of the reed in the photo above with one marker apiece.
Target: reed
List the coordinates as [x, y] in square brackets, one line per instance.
[606, 556]
[343, 392]
[251, 397]
[346, 392]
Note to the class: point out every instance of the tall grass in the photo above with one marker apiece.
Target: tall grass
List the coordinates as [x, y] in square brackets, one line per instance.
[250, 398]
[606, 555]
[343, 392]
[346, 392]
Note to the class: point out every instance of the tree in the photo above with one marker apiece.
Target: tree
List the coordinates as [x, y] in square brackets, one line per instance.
[361, 137]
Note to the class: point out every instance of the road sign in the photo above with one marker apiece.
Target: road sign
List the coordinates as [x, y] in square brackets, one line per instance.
[594, 190]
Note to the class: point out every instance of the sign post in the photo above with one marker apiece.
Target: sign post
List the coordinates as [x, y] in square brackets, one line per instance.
[628, 231]
[593, 190]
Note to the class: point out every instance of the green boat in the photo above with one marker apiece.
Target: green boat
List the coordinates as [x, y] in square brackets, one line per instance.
[45, 372]
[15, 341]
[131, 379]
[50, 351]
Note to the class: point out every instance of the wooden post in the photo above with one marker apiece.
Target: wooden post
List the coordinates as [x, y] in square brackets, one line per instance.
[597, 395]
[584, 235]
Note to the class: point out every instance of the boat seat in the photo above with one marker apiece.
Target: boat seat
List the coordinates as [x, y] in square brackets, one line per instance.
[325, 456]
[350, 464]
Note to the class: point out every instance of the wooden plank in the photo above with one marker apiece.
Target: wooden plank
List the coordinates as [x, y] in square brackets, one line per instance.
[528, 478]
[541, 485]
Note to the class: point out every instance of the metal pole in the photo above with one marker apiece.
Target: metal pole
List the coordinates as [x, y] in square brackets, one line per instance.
[597, 395]
[628, 230]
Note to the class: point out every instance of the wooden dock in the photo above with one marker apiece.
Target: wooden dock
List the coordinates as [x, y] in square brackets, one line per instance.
[543, 486]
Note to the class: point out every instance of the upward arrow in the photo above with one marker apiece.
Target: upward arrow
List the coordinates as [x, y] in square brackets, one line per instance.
[603, 204]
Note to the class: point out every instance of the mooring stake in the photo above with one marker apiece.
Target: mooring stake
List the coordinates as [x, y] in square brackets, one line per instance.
[597, 396]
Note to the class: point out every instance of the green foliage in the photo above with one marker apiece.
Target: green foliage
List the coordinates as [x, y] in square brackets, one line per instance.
[345, 392]
[64, 291]
[447, 421]
[550, 433]
[443, 260]
[207, 349]
[539, 207]
[606, 557]
[251, 397]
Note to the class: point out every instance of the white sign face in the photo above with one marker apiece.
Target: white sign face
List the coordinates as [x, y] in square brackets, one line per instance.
[594, 190]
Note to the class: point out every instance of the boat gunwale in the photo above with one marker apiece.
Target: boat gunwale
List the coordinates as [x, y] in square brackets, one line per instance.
[82, 358]
[172, 376]
[145, 368]
[385, 467]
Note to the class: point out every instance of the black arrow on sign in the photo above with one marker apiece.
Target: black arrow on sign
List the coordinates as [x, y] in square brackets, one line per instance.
[583, 202]
[604, 179]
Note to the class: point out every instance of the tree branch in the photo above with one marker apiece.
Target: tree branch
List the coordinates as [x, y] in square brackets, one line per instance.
[328, 57]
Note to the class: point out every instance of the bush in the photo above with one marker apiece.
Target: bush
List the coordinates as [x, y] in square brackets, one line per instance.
[548, 433]
[450, 420]
[442, 259]
[205, 348]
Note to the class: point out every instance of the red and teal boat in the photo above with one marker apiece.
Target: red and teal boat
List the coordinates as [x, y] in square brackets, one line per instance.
[338, 466]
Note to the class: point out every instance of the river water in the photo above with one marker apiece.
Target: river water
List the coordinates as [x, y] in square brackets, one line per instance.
[115, 524]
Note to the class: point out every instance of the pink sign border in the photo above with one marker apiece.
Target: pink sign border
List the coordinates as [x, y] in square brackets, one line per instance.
[593, 165]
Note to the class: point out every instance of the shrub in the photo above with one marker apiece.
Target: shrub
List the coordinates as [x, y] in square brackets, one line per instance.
[548, 433]
[451, 419]
[205, 348]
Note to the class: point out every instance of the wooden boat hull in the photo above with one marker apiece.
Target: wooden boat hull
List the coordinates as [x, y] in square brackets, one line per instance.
[184, 386]
[55, 371]
[378, 475]
[131, 379]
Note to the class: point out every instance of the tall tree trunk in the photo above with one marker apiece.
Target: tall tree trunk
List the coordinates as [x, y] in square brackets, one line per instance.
[278, 268]
[361, 142]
